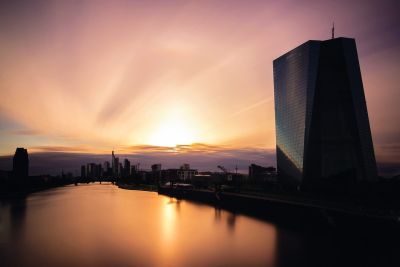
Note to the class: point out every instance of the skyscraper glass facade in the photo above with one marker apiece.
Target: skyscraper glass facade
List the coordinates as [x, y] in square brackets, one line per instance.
[294, 77]
[322, 128]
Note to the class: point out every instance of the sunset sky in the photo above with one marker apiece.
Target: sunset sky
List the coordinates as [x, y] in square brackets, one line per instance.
[87, 76]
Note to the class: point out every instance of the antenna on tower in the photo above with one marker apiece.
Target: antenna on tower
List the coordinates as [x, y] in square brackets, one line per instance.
[333, 30]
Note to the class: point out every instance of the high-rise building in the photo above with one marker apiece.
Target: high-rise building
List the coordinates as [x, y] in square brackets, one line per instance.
[127, 168]
[83, 171]
[115, 165]
[92, 170]
[21, 163]
[322, 126]
[134, 170]
[120, 170]
[106, 165]
[106, 168]
[99, 170]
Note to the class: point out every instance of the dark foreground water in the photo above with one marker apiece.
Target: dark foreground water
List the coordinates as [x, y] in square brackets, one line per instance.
[102, 225]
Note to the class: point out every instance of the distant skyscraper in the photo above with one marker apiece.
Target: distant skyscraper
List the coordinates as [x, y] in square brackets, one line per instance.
[120, 170]
[127, 168]
[92, 170]
[99, 173]
[106, 166]
[322, 126]
[83, 171]
[115, 165]
[21, 163]
[134, 170]
[106, 169]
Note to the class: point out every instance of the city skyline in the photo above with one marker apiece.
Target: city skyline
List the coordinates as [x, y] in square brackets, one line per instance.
[199, 133]
[54, 163]
[147, 77]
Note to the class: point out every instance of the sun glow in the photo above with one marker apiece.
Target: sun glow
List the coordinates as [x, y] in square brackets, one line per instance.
[173, 131]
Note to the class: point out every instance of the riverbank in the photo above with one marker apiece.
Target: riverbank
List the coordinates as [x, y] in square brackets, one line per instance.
[23, 192]
[298, 211]
[141, 187]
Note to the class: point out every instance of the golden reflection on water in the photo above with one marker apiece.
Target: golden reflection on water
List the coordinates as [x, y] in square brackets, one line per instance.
[101, 225]
[168, 220]
[168, 230]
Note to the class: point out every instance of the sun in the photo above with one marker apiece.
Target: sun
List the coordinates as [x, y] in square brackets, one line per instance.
[171, 132]
[170, 136]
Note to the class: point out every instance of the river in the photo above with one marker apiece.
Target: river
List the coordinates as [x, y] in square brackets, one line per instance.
[103, 225]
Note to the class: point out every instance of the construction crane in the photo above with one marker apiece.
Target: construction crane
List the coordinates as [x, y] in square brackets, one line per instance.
[223, 168]
[227, 174]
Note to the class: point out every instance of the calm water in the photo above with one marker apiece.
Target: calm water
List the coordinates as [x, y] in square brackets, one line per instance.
[101, 225]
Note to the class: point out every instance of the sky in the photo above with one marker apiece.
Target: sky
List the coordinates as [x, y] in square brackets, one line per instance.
[139, 76]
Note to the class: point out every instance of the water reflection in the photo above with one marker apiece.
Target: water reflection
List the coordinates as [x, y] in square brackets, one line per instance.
[228, 217]
[101, 225]
[217, 214]
[170, 212]
[231, 220]
[12, 221]
[17, 216]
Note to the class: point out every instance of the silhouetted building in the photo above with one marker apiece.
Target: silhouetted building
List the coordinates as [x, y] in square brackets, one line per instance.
[170, 174]
[322, 127]
[134, 170]
[127, 168]
[205, 179]
[92, 170]
[120, 170]
[115, 165]
[156, 167]
[261, 174]
[184, 173]
[106, 168]
[156, 172]
[106, 165]
[99, 171]
[21, 163]
[83, 171]
[185, 166]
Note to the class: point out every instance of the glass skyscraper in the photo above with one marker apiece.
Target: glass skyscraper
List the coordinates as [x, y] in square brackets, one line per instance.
[322, 126]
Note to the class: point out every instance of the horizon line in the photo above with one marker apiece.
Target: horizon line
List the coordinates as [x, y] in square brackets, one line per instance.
[134, 149]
